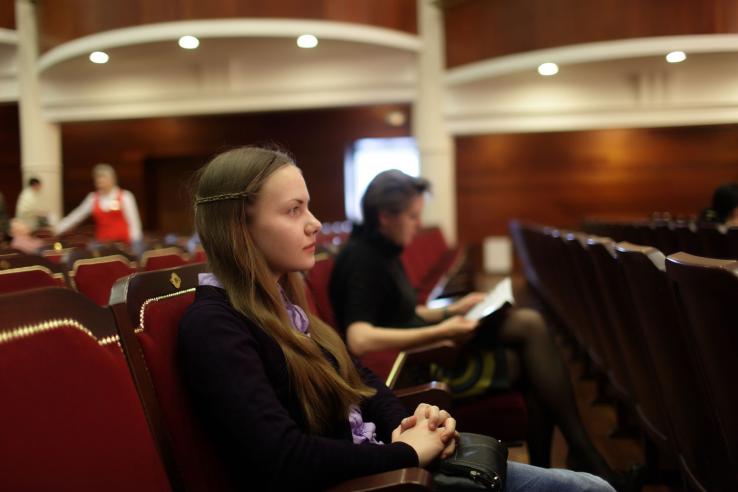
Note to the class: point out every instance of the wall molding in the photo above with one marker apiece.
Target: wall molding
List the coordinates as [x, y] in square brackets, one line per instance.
[591, 52]
[229, 28]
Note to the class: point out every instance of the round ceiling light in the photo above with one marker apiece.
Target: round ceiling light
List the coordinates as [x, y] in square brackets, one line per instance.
[676, 57]
[307, 41]
[188, 42]
[547, 69]
[99, 57]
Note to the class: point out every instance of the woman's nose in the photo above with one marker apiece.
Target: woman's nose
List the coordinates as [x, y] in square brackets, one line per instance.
[314, 224]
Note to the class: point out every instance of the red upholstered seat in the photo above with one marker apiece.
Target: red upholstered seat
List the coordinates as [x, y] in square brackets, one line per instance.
[71, 416]
[318, 279]
[198, 256]
[31, 277]
[502, 415]
[427, 260]
[158, 259]
[94, 277]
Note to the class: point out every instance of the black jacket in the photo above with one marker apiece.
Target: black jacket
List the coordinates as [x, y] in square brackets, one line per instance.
[237, 378]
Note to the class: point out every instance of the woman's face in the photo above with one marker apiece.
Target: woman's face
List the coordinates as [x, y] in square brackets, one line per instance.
[104, 182]
[282, 226]
[401, 228]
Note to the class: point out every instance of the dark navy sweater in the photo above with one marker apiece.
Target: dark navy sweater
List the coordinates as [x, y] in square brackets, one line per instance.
[238, 381]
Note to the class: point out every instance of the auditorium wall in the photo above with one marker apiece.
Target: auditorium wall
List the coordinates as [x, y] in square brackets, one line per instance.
[60, 22]
[477, 30]
[156, 157]
[559, 178]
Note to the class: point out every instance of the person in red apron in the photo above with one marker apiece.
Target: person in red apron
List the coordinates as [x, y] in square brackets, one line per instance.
[113, 209]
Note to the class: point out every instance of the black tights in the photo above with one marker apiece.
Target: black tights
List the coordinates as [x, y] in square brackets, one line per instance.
[535, 363]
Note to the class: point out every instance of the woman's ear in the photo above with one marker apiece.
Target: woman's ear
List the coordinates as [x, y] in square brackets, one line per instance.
[383, 218]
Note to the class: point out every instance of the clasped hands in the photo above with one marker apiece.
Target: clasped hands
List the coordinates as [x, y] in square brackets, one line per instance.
[430, 431]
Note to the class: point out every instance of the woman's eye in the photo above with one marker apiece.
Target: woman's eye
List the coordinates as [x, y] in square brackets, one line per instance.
[294, 210]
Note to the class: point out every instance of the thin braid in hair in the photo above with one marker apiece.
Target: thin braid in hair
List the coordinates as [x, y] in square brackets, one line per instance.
[221, 197]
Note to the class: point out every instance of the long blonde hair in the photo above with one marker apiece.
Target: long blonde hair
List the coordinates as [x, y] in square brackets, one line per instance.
[227, 188]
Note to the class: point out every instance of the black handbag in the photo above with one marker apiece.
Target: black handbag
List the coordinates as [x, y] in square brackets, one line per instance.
[479, 463]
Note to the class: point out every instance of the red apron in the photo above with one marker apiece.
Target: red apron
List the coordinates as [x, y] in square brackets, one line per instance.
[111, 225]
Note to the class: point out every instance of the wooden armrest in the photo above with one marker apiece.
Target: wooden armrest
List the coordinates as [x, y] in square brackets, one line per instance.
[405, 479]
[435, 393]
[443, 353]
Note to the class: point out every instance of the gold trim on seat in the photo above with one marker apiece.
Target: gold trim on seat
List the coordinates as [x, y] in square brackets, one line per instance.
[140, 328]
[30, 330]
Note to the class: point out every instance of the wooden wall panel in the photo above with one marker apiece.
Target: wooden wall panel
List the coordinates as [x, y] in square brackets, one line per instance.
[481, 29]
[7, 14]
[63, 21]
[10, 158]
[560, 178]
[145, 153]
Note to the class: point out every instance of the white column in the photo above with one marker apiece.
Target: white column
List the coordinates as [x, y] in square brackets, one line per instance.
[435, 144]
[40, 140]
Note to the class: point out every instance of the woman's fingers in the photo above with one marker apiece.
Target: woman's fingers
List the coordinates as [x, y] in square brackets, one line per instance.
[408, 422]
[449, 429]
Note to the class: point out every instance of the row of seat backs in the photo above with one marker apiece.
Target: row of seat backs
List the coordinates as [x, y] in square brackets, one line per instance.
[50, 355]
[93, 277]
[672, 236]
[428, 259]
[615, 298]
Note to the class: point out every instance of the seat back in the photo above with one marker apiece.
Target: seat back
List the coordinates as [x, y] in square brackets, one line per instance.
[603, 352]
[20, 260]
[148, 307]
[30, 277]
[715, 243]
[158, 259]
[693, 426]
[70, 412]
[94, 277]
[627, 336]
[317, 279]
[708, 289]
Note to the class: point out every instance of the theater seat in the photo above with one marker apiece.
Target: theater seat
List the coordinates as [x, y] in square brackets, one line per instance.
[94, 277]
[148, 308]
[158, 259]
[708, 290]
[30, 277]
[693, 424]
[71, 418]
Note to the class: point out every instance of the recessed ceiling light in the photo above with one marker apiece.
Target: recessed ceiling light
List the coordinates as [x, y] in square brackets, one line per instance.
[547, 69]
[676, 57]
[99, 57]
[307, 41]
[188, 42]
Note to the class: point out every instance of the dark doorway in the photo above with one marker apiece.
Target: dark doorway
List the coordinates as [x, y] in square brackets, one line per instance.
[167, 186]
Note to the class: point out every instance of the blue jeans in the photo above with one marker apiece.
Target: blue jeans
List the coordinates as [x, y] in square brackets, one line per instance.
[522, 477]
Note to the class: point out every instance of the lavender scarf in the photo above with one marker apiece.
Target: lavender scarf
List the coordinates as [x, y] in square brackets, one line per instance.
[361, 431]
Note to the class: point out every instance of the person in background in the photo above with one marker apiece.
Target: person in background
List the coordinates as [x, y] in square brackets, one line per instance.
[23, 239]
[113, 209]
[724, 209]
[376, 308]
[275, 388]
[30, 208]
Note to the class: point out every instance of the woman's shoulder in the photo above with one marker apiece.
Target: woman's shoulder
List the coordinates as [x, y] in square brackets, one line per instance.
[210, 315]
